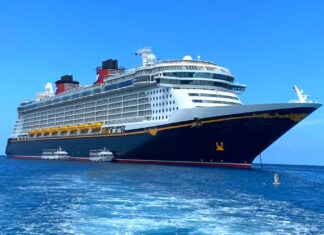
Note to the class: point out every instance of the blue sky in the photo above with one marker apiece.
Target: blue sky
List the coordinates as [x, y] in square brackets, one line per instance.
[268, 45]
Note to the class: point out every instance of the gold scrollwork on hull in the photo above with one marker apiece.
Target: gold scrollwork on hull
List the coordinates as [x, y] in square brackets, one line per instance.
[220, 147]
[153, 132]
[296, 117]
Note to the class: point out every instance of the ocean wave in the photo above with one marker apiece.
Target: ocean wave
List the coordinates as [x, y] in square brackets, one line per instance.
[72, 199]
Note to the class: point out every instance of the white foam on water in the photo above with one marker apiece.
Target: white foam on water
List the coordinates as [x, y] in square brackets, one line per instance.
[77, 205]
[197, 216]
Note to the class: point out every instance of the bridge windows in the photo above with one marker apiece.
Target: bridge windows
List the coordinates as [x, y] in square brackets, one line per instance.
[214, 102]
[233, 87]
[213, 95]
[199, 75]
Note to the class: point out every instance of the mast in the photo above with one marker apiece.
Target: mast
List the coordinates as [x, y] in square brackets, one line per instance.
[302, 98]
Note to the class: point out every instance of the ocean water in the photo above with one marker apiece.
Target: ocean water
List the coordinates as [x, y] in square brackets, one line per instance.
[61, 197]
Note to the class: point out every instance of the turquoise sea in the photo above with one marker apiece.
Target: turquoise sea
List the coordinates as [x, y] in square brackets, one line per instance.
[62, 197]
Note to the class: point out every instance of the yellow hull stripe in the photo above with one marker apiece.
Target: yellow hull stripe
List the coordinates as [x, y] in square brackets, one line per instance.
[296, 117]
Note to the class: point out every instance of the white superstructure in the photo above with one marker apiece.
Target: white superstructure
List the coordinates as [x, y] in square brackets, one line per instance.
[145, 96]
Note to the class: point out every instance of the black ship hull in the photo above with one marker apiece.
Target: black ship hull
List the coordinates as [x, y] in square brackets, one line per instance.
[231, 140]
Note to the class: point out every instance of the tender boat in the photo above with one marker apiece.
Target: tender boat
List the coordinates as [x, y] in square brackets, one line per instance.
[55, 154]
[101, 155]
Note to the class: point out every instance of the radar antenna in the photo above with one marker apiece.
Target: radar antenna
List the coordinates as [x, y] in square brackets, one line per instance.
[148, 57]
[46, 94]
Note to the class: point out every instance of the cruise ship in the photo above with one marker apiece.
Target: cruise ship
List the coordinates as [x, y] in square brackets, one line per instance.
[180, 112]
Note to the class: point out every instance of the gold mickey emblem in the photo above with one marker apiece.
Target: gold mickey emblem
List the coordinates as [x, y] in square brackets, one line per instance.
[153, 131]
[220, 147]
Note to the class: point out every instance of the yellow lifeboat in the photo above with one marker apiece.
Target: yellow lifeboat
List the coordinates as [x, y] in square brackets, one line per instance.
[46, 130]
[74, 128]
[54, 129]
[96, 125]
[39, 131]
[85, 126]
[63, 128]
[32, 132]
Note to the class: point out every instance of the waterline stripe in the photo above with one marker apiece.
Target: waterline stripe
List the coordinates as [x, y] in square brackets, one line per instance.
[160, 162]
[191, 163]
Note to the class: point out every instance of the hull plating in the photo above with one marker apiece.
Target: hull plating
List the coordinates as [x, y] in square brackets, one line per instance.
[233, 140]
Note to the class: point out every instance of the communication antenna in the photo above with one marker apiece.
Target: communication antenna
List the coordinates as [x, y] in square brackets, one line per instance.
[148, 57]
[49, 88]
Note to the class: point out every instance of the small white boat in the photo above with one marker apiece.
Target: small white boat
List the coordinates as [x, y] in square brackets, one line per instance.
[55, 154]
[101, 155]
[276, 179]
